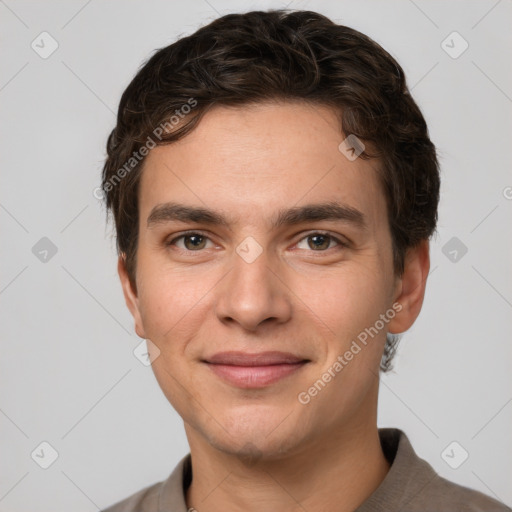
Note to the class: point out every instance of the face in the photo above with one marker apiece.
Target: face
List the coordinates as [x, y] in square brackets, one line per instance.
[264, 253]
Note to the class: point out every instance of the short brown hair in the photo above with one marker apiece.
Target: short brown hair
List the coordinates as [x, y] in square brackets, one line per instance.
[279, 54]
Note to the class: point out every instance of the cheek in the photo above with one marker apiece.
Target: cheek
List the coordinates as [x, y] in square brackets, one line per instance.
[171, 302]
[173, 309]
[347, 300]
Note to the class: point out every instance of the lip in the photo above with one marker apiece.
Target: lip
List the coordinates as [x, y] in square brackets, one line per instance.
[245, 370]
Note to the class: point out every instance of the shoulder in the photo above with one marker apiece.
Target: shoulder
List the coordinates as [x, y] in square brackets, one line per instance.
[412, 485]
[146, 500]
[442, 495]
[161, 495]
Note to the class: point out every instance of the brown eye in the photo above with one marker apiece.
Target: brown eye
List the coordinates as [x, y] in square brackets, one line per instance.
[194, 242]
[320, 242]
[190, 242]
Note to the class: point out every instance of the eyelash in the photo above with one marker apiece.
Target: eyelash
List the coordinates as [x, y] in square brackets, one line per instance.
[340, 243]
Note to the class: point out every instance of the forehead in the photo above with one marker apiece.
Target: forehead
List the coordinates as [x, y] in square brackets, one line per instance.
[253, 160]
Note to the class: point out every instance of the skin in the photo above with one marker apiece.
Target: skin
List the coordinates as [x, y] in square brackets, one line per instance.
[261, 449]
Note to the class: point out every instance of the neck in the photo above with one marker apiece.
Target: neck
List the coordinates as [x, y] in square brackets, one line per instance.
[337, 472]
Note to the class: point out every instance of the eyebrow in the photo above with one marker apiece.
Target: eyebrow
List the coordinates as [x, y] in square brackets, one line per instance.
[332, 211]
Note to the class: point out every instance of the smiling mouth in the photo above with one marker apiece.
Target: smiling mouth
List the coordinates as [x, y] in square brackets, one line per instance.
[247, 371]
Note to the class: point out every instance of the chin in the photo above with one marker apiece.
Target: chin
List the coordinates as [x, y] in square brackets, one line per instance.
[254, 435]
[250, 450]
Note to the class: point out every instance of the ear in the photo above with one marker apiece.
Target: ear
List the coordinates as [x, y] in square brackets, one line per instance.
[411, 286]
[130, 296]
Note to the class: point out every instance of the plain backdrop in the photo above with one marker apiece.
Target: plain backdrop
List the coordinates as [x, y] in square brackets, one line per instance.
[67, 371]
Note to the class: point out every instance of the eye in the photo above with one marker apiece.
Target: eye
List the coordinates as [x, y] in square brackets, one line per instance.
[320, 242]
[191, 241]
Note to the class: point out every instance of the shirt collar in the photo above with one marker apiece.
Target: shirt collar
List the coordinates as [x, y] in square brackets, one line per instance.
[406, 478]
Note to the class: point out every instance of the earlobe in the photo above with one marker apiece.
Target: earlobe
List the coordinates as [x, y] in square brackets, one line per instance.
[411, 289]
[130, 296]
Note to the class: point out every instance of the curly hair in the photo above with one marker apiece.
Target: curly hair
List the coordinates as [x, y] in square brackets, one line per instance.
[278, 55]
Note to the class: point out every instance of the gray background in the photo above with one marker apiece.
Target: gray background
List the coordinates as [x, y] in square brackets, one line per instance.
[68, 374]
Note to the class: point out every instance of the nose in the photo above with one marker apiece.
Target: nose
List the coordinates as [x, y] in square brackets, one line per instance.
[253, 294]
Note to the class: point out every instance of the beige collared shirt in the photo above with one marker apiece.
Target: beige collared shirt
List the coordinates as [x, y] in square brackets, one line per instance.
[411, 485]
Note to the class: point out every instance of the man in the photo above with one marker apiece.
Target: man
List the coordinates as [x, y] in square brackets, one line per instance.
[274, 189]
